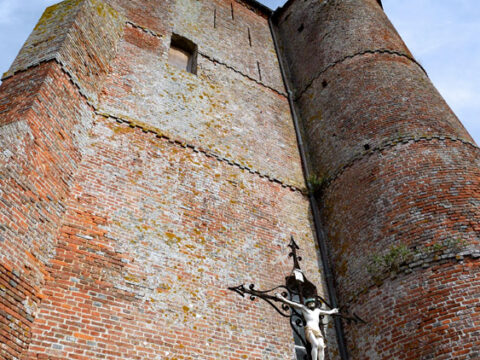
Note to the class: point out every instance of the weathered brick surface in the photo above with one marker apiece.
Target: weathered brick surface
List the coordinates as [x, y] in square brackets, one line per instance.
[41, 147]
[396, 174]
[38, 159]
[156, 16]
[430, 314]
[418, 194]
[195, 20]
[327, 32]
[154, 234]
[121, 231]
[47, 37]
[42, 136]
[132, 236]
[17, 95]
[81, 35]
[392, 99]
[209, 24]
[218, 109]
[18, 304]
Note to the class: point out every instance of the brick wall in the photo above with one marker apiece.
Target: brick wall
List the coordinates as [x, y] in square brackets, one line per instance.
[205, 110]
[397, 179]
[430, 313]
[153, 235]
[44, 125]
[18, 304]
[41, 147]
[159, 188]
[81, 36]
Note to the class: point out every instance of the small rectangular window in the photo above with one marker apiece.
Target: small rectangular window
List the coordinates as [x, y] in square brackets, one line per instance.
[183, 54]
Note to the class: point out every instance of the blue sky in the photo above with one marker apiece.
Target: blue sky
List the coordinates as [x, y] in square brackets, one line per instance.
[444, 35]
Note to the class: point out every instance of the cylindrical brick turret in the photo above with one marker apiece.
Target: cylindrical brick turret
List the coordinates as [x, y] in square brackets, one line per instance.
[398, 179]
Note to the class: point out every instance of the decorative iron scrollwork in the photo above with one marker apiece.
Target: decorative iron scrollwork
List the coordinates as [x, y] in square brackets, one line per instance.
[298, 289]
[267, 295]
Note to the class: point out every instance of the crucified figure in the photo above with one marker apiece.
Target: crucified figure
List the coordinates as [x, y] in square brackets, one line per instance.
[311, 313]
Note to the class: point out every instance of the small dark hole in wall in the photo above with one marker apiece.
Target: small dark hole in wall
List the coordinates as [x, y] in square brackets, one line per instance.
[300, 29]
[324, 83]
[286, 17]
[366, 147]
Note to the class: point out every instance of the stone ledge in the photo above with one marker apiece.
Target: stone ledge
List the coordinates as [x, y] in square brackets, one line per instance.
[365, 52]
[390, 143]
[420, 262]
[206, 152]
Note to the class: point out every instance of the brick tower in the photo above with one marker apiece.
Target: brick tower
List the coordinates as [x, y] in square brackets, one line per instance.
[150, 158]
[397, 178]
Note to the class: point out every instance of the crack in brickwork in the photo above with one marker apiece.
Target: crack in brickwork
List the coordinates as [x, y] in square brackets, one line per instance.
[366, 52]
[390, 143]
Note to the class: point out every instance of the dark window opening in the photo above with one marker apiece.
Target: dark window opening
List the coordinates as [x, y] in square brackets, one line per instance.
[300, 29]
[183, 54]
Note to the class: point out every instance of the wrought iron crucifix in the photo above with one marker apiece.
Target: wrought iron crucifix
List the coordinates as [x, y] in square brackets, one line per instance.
[300, 302]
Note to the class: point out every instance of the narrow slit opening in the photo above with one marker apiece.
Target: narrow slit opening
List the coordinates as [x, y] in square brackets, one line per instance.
[259, 71]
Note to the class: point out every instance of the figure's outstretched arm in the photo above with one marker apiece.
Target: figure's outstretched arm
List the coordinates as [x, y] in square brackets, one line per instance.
[329, 312]
[288, 302]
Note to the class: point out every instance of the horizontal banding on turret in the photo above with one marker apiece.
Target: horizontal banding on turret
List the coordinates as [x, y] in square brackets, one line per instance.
[418, 196]
[391, 100]
[333, 31]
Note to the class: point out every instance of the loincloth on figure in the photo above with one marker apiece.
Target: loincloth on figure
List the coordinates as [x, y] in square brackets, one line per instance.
[315, 332]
